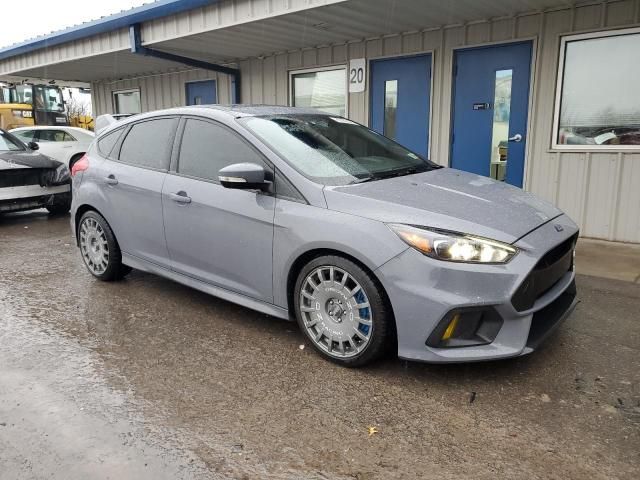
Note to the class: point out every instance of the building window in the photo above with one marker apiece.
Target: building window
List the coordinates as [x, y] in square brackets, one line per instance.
[127, 101]
[324, 90]
[598, 103]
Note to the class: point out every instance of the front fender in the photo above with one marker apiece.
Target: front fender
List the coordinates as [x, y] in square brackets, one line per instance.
[300, 228]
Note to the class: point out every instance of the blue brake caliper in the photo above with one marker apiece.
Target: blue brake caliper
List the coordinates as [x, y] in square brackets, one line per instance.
[363, 312]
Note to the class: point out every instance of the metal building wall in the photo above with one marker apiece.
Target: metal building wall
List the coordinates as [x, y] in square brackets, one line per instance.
[599, 190]
[157, 91]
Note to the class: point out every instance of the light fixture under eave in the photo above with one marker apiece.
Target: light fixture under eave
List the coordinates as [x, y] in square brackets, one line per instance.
[322, 26]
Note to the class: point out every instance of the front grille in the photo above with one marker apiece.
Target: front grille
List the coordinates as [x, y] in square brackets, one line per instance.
[547, 272]
[19, 177]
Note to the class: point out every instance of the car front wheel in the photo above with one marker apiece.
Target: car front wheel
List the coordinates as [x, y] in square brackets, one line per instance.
[342, 311]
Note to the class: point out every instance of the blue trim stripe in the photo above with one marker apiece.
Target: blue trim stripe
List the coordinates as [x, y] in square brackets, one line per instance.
[144, 13]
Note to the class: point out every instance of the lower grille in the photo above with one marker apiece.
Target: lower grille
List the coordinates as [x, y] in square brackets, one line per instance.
[19, 177]
[547, 272]
[547, 319]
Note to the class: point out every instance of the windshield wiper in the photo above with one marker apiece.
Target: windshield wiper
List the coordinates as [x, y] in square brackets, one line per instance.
[369, 178]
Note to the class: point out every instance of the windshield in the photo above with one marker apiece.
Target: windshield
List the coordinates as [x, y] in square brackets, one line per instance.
[22, 94]
[9, 143]
[49, 99]
[334, 150]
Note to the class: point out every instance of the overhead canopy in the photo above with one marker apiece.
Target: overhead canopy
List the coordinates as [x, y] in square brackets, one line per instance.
[224, 32]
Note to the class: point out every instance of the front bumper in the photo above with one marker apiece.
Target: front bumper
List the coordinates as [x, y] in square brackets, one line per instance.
[29, 197]
[423, 291]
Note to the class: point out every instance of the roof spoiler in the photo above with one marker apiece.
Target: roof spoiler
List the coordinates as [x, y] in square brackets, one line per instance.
[103, 121]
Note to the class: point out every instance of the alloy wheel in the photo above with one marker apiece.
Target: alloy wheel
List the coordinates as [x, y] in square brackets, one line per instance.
[94, 246]
[335, 311]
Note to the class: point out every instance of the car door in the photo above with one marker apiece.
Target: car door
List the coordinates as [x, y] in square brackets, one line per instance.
[220, 236]
[132, 187]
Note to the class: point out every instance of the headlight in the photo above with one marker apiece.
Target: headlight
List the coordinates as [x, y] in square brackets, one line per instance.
[62, 174]
[454, 247]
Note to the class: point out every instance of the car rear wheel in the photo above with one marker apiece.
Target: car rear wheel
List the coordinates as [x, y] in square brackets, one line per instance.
[342, 311]
[99, 248]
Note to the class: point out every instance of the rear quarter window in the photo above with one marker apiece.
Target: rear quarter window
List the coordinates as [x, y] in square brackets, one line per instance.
[107, 142]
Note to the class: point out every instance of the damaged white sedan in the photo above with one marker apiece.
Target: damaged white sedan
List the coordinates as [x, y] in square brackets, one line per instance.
[30, 180]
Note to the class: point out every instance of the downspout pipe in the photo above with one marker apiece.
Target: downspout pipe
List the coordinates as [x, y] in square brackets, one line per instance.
[135, 39]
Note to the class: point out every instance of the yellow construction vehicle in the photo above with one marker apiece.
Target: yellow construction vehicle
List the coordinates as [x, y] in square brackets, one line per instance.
[26, 104]
[13, 113]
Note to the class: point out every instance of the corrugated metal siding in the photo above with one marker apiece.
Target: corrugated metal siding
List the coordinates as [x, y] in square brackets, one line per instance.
[598, 190]
[213, 17]
[222, 15]
[157, 91]
[100, 44]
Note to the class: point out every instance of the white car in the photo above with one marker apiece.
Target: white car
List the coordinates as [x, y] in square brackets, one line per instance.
[65, 144]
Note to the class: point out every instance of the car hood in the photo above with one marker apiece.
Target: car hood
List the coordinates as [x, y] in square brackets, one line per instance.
[26, 159]
[447, 199]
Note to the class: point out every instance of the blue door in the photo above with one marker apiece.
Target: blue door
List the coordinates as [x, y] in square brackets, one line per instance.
[490, 109]
[400, 96]
[201, 93]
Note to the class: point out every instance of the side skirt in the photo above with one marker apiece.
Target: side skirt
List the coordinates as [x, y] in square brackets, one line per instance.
[222, 293]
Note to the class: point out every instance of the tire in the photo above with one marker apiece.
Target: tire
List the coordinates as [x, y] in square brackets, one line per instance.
[99, 248]
[347, 320]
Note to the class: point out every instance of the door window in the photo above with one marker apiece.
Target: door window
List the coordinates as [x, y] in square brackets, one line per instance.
[501, 116]
[148, 144]
[207, 147]
[54, 136]
[24, 135]
[390, 108]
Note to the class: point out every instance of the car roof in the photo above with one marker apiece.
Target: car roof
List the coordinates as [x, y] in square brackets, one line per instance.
[51, 127]
[231, 111]
[262, 110]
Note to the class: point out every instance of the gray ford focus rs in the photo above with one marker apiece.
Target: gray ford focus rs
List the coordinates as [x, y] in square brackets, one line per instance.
[301, 214]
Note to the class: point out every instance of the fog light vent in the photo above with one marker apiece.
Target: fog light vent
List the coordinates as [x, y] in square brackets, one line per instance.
[466, 328]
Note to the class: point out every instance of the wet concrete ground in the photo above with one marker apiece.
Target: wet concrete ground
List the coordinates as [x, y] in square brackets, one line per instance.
[149, 379]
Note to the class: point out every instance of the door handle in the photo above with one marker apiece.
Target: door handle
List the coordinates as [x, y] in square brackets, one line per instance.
[111, 180]
[180, 197]
[516, 138]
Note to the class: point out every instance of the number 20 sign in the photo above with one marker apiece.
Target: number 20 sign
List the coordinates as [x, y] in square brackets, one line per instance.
[357, 75]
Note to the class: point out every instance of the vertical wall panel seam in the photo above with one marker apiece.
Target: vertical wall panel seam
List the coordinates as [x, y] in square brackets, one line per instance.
[587, 183]
[615, 208]
[537, 83]
[440, 58]
[556, 195]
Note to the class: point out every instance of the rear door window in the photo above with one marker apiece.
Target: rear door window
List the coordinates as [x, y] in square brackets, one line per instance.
[54, 136]
[208, 147]
[148, 144]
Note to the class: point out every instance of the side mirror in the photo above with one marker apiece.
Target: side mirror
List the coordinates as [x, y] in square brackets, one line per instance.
[243, 176]
[33, 146]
